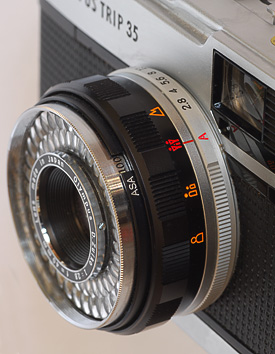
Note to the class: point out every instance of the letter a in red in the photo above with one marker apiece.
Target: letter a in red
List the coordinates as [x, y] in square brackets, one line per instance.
[203, 137]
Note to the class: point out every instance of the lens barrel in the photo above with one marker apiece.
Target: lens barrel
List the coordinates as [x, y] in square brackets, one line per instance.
[131, 213]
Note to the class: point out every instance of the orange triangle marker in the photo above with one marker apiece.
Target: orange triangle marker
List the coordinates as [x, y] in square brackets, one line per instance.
[156, 112]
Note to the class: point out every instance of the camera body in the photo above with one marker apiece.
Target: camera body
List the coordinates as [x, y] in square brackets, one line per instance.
[222, 52]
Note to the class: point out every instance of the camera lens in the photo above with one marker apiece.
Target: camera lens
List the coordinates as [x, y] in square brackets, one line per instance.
[123, 201]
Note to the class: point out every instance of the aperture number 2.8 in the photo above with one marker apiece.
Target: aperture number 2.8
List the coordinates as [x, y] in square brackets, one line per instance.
[164, 81]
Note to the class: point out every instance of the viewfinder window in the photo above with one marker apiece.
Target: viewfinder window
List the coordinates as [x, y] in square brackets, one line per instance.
[239, 95]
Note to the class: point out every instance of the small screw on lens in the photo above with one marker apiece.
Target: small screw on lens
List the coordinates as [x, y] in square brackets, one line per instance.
[102, 226]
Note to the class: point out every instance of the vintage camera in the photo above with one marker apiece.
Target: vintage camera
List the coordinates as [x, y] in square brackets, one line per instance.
[148, 189]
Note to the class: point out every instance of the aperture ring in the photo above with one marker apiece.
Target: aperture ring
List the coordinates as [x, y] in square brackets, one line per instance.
[210, 167]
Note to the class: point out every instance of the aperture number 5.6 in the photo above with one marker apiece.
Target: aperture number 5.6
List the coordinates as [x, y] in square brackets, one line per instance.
[162, 80]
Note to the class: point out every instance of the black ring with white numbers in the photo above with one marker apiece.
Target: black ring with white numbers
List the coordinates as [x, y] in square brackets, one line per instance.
[153, 207]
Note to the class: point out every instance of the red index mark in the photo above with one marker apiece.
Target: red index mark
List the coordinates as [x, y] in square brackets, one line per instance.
[174, 144]
[271, 164]
[203, 137]
[187, 142]
[156, 112]
[234, 128]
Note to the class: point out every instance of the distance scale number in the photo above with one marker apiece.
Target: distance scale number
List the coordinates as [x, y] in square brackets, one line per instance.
[191, 191]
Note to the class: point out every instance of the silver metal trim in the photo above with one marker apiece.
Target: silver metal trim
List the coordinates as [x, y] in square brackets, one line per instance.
[177, 46]
[203, 335]
[247, 161]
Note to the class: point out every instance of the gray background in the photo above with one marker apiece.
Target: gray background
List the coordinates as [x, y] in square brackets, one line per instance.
[28, 324]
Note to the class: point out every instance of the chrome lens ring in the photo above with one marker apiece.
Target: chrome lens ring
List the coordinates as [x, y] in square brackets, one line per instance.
[91, 300]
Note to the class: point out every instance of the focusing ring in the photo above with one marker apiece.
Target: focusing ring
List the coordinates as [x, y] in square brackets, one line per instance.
[152, 145]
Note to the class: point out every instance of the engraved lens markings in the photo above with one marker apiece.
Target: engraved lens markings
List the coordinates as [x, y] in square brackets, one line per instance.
[50, 160]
